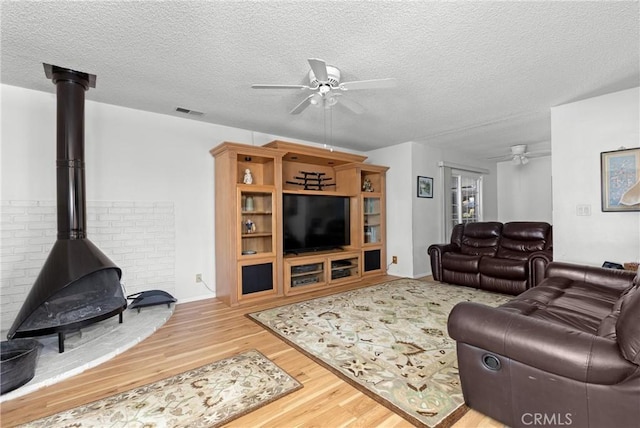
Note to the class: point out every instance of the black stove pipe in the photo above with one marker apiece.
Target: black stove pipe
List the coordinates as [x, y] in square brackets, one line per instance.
[70, 177]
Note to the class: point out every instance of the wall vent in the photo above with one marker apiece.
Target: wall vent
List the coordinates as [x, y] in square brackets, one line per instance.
[187, 111]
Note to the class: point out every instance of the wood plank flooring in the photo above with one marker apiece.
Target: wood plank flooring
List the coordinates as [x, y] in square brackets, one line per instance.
[207, 330]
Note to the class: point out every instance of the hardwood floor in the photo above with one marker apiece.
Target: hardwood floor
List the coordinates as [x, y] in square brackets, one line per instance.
[207, 330]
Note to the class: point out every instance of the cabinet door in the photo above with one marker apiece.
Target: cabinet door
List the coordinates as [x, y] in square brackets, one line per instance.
[371, 220]
[302, 276]
[344, 268]
[256, 279]
[257, 222]
[372, 261]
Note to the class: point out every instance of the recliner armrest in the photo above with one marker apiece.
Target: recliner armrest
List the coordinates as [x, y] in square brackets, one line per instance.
[537, 343]
[538, 263]
[435, 252]
[614, 279]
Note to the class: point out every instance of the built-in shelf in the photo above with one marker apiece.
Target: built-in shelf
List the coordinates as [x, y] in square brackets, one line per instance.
[250, 263]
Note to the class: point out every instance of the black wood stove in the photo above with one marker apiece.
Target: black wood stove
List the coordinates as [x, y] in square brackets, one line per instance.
[78, 284]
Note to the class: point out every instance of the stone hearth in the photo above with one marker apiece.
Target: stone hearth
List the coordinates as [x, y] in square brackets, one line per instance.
[91, 346]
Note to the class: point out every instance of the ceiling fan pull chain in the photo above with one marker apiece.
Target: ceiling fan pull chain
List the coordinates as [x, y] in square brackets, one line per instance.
[330, 128]
[324, 116]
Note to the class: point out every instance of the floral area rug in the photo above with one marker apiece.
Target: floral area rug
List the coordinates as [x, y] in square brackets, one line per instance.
[208, 396]
[388, 340]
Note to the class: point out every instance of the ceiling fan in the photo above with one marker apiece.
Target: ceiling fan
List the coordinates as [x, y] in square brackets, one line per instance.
[520, 156]
[326, 88]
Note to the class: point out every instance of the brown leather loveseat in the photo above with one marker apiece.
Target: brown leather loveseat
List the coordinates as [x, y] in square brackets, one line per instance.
[564, 353]
[507, 258]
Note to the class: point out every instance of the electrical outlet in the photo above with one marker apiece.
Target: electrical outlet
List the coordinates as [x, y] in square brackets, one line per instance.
[394, 260]
[583, 209]
[198, 277]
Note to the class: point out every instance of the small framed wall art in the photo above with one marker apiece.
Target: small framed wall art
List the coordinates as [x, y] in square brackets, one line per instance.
[620, 180]
[425, 187]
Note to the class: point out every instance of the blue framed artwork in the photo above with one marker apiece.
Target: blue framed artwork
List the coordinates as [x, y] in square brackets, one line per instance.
[620, 181]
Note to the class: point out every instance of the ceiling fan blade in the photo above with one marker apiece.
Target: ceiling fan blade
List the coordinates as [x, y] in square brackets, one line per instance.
[369, 84]
[267, 86]
[319, 68]
[303, 105]
[351, 105]
[537, 154]
[501, 158]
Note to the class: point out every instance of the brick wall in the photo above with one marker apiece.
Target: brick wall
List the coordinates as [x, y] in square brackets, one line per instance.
[138, 236]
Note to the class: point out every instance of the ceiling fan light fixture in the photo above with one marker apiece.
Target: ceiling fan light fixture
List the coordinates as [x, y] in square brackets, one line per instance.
[315, 99]
[330, 101]
[519, 160]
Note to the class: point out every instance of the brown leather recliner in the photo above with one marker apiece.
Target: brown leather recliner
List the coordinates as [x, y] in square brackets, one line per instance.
[564, 353]
[508, 258]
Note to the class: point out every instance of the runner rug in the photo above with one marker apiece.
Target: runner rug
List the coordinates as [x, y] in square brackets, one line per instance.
[388, 340]
[208, 396]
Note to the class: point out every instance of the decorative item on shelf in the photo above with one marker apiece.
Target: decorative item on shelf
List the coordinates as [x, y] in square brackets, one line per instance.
[249, 226]
[367, 234]
[312, 180]
[367, 186]
[248, 178]
[248, 203]
[369, 206]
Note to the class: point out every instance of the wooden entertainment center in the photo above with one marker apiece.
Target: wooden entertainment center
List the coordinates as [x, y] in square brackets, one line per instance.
[250, 264]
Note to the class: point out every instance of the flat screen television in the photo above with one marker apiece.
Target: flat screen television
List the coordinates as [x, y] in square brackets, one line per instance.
[315, 222]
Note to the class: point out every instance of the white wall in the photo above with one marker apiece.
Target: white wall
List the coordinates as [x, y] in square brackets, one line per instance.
[138, 156]
[580, 132]
[524, 191]
[415, 223]
[427, 213]
[131, 156]
[399, 199]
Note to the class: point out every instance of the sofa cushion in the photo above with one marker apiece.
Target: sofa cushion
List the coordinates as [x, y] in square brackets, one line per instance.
[461, 262]
[566, 302]
[503, 268]
[521, 238]
[502, 285]
[481, 239]
[608, 325]
[456, 234]
[628, 325]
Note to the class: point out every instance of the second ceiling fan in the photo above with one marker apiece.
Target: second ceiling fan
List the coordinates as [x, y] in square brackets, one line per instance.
[520, 156]
[326, 88]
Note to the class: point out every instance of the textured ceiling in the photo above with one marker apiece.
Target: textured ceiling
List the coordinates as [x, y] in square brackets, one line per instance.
[477, 76]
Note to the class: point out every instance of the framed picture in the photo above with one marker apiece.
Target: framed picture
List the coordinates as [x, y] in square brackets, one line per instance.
[620, 181]
[425, 187]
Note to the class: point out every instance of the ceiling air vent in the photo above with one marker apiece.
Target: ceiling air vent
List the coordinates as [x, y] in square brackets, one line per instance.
[187, 111]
